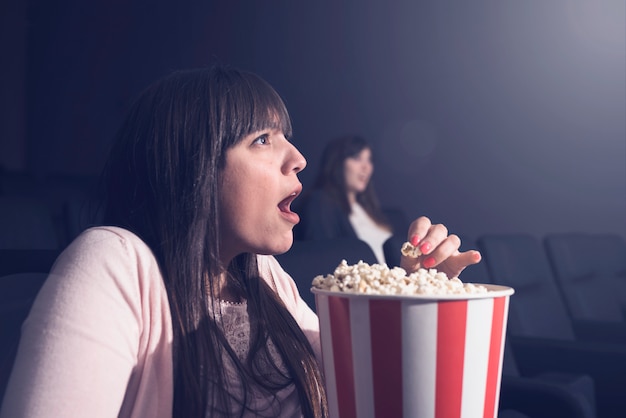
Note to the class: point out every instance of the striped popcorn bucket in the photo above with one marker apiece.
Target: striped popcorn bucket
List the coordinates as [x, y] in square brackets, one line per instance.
[422, 356]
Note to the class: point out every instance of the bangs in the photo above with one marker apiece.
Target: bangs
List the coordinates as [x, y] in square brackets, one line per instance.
[252, 105]
[353, 146]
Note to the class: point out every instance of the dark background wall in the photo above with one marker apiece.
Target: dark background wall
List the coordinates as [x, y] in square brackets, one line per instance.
[488, 116]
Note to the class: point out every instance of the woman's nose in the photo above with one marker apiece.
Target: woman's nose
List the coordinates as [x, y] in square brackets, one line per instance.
[296, 161]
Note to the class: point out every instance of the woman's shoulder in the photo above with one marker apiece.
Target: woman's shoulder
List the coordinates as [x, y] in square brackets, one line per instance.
[110, 248]
[272, 272]
[105, 240]
[109, 235]
[278, 279]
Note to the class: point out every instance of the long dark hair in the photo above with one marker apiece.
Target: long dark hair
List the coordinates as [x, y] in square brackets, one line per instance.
[162, 182]
[331, 177]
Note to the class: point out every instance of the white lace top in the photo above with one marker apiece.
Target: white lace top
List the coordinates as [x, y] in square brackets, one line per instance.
[236, 327]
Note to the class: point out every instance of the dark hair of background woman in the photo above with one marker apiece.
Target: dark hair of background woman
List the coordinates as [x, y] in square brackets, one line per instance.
[162, 182]
[331, 177]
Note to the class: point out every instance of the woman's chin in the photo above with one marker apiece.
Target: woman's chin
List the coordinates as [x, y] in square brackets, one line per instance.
[285, 247]
[277, 248]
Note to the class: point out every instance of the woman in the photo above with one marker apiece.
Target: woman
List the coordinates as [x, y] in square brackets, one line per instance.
[343, 203]
[176, 306]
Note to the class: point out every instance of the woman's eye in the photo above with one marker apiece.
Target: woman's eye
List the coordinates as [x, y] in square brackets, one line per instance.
[262, 140]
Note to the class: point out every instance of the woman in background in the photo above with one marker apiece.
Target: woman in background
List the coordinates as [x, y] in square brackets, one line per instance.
[343, 203]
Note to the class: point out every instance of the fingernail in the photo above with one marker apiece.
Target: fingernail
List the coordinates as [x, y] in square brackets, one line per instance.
[425, 248]
[429, 262]
[415, 240]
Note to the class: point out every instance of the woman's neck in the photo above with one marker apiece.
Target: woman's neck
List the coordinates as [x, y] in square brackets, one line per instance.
[351, 198]
[225, 290]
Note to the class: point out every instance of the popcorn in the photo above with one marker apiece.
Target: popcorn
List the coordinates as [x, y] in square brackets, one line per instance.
[380, 279]
[410, 250]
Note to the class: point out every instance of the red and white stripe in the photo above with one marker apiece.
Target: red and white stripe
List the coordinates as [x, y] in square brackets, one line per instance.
[411, 357]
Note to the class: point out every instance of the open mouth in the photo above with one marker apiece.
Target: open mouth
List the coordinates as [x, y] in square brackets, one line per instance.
[285, 204]
[285, 208]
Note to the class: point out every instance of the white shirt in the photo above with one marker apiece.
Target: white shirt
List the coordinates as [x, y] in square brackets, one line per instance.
[369, 231]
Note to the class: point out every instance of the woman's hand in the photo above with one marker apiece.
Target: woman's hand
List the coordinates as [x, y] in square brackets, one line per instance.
[439, 250]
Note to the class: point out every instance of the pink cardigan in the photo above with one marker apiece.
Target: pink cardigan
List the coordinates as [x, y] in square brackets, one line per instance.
[97, 341]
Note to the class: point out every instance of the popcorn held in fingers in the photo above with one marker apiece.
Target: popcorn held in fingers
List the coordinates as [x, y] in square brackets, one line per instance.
[380, 279]
[410, 250]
